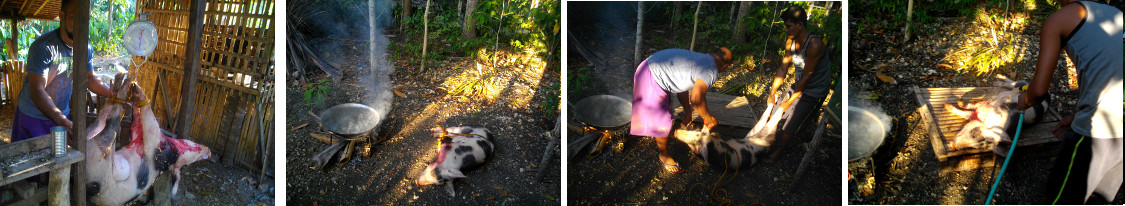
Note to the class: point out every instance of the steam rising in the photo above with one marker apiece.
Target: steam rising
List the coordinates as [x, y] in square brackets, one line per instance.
[379, 82]
[867, 126]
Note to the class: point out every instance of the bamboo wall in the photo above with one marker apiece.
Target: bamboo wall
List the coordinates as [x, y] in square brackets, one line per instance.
[11, 80]
[236, 66]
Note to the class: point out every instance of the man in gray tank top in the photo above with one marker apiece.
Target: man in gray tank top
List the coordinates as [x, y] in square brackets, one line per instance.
[1091, 155]
[801, 102]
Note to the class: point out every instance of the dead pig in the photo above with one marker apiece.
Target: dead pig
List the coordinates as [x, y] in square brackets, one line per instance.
[992, 121]
[120, 177]
[461, 148]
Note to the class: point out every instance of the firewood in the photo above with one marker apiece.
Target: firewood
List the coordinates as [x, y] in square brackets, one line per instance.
[321, 159]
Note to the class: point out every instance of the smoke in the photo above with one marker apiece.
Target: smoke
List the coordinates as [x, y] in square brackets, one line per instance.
[339, 31]
[868, 124]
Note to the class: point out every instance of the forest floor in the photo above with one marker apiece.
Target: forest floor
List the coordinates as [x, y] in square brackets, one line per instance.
[508, 104]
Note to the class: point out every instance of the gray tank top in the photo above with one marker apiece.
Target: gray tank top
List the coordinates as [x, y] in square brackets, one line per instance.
[1096, 50]
[676, 70]
[820, 78]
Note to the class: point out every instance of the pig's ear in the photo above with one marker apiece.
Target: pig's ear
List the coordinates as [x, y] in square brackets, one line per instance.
[449, 188]
[454, 174]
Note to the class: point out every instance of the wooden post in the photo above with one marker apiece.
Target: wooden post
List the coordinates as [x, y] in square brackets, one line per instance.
[78, 102]
[738, 34]
[15, 41]
[191, 68]
[58, 188]
[640, 22]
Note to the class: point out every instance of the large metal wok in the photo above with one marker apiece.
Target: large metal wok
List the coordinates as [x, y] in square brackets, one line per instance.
[349, 120]
[865, 134]
[602, 117]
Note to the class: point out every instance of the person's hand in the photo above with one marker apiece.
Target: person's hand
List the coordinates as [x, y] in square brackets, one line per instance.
[709, 123]
[685, 117]
[66, 123]
[771, 99]
[1021, 104]
[1062, 127]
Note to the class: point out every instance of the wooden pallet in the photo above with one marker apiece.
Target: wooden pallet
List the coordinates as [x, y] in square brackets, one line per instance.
[728, 110]
[944, 125]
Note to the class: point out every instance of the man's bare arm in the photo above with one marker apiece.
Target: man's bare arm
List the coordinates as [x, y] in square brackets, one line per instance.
[698, 99]
[43, 102]
[96, 86]
[779, 76]
[1051, 35]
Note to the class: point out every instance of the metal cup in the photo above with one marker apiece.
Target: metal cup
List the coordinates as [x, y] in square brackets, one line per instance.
[59, 133]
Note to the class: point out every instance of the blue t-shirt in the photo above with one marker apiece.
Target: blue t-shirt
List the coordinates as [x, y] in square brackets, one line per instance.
[51, 57]
[675, 70]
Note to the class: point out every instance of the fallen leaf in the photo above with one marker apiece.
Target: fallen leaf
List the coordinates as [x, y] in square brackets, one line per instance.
[885, 78]
[498, 187]
[399, 94]
[947, 66]
[549, 197]
[391, 172]
[505, 194]
[490, 198]
[533, 165]
[751, 195]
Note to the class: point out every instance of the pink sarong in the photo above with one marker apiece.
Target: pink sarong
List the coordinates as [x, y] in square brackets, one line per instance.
[652, 113]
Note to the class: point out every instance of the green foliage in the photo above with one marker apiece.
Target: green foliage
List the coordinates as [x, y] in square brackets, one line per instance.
[550, 103]
[576, 79]
[517, 23]
[315, 93]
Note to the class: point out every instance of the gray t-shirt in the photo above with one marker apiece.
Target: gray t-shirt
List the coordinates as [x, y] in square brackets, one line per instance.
[51, 57]
[1096, 51]
[675, 70]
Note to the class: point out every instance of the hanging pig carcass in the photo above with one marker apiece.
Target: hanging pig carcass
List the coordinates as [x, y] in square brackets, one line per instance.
[118, 177]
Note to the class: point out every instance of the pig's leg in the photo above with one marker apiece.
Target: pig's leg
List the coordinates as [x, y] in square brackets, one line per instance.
[964, 114]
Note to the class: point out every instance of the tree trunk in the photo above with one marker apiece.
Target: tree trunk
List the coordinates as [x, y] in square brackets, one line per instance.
[405, 4]
[733, 6]
[695, 26]
[640, 22]
[425, 32]
[909, 12]
[740, 27]
[469, 31]
[675, 14]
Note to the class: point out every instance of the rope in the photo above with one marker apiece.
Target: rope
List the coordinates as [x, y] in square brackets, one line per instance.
[723, 199]
[1019, 126]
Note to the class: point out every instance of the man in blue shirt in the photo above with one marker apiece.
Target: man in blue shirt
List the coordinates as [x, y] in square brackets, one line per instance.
[44, 99]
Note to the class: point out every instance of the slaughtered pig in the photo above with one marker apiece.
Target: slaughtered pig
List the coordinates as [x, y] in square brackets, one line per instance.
[461, 148]
[118, 177]
[992, 120]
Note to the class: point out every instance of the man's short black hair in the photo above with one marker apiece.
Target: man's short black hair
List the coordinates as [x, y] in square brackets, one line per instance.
[795, 14]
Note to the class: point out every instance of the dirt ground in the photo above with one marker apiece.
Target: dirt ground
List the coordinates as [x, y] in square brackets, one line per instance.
[907, 170]
[636, 177]
[387, 176]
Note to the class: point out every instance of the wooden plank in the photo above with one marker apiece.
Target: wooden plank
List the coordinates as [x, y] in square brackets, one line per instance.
[728, 110]
[968, 162]
[28, 169]
[935, 135]
[191, 67]
[23, 147]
